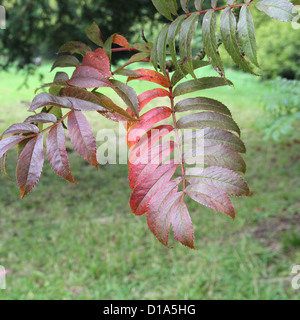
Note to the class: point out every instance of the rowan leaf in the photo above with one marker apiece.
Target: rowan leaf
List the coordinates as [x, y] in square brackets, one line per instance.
[57, 153]
[281, 10]
[65, 61]
[228, 29]
[210, 42]
[200, 84]
[173, 6]
[187, 30]
[151, 76]
[94, 34]
[127, 94]
[211, 197]
[75, 47]
[162, 7]
[19, 128]
[8, 143]
[41, 118]
[82, 137]
[208, 119]
[153, 57]
[246, 34]
[30, 165]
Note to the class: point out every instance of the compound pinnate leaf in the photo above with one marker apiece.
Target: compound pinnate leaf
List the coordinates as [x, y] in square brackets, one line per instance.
[211, 197]
[19, 128]
[30, 165]
[151, 76]
[82, 137]
[9, 142]
[94, 34]
[41, 118]
[281, 10]
[75, 47]
[57, 153]
[246, 34]
[210, 41]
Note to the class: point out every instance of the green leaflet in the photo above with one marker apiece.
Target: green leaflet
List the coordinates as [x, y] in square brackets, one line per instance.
[185, 5]
[94, 34]
[203, 120]
[198, 4]
[107, 46]
[214, 3]
[180, 74]
[213, 136]
[210, 42]
[154, 58]
[228, 30]
[281, 10]
[201, 104]
[187, 30]
[173, 31]
[246, 34]
[127, 94]
[162, 7]
[173, 6]
[161, 48]
[200, 84]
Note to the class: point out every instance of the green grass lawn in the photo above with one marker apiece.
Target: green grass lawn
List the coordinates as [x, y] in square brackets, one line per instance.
[82, 241]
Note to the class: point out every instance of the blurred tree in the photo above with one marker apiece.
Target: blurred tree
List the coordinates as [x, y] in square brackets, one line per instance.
[35, 28]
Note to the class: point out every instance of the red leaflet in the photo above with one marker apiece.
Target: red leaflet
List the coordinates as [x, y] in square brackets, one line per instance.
[182, 223]
[148, 162]
[18, 128]
[143, 192]
[152, 76]
[147, 141]
[57, 153]
[121, 41]
[148, 96]
[88, 77]
[99, 60]
[9, 143]
[30, 165]
[146, 121]
[211, 197]
[82, 137]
